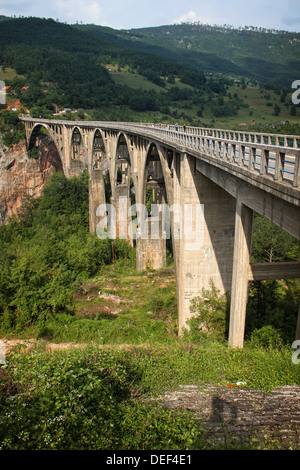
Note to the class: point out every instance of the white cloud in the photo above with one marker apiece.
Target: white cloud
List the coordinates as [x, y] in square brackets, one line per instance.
[192, 17]
[87, 11]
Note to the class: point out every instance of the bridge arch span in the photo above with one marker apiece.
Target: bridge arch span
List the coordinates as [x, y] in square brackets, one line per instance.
[122, 156]
[156, 194]
[77, 141]
[99, 152]
[155, 151]
[32, 141]
[77, 151]
[35, 133]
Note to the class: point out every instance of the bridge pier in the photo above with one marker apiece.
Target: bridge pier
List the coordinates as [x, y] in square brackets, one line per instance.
[240, 274]
[151, 251]
[96, 197]
[121, 203]
[206, 243]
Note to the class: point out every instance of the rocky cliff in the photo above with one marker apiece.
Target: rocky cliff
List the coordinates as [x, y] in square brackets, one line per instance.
[21, 176]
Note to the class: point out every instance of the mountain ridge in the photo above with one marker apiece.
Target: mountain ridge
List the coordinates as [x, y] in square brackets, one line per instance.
[135, 75]
[210, 48]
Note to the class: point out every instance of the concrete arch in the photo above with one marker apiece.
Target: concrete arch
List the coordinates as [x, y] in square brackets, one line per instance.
[98, 144]
[166, 177]
[33, 137]
[129, 159]
[76, 141]
[122, 159]
[123, 184]
[34, 133]
[98, 168]
[77, 151]
[152, 247]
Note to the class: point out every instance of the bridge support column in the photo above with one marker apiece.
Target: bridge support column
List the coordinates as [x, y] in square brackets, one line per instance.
[240, 275]
[209, 257]
[151, 251]
[121, 202]
[96, 197]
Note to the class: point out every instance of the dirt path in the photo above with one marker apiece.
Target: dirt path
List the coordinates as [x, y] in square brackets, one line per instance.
[31, 344]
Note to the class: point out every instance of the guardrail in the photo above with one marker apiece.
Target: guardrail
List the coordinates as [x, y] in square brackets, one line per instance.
[275, 156]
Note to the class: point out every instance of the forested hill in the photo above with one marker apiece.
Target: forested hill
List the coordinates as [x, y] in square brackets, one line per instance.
[73, 60]
[51, 52]
[158, 45]
[268, 55]
[191, 73]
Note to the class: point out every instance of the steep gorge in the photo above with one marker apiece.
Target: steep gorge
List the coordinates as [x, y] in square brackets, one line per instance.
[21, 176]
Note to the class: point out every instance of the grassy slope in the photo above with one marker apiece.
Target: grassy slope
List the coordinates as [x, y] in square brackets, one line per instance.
[252, 96]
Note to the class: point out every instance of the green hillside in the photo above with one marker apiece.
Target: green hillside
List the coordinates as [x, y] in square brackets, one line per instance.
[269, 56]
[187, 73]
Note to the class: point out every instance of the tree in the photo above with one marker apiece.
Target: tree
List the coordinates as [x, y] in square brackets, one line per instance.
[293, 110]
[277, 110]
[271, 243]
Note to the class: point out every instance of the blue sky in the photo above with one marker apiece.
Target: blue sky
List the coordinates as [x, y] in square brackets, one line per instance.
[126, 14]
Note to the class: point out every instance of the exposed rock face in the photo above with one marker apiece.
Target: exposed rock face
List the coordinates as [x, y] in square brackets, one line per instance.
[21, 176]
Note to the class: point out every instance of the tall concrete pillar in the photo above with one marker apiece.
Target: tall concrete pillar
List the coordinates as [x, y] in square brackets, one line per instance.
[151, 249]
[121, 203]
[151, 239]
[240, 275]
[206, 244]
[96, 197]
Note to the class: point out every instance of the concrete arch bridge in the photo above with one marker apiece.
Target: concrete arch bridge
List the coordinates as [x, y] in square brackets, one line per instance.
[205, 185]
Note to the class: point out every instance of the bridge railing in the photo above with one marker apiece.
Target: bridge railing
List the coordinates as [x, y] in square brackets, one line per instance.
[273, 155]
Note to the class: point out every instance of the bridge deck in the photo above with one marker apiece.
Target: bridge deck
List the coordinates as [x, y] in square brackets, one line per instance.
[273, 156]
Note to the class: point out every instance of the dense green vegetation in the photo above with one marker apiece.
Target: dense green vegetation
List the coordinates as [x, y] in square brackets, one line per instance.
[59, 283]
[92, 399]
[46, 251]
[12, 129]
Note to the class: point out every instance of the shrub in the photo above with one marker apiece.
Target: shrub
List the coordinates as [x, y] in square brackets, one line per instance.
[266, 337]
[81, 400]
[210, 314]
